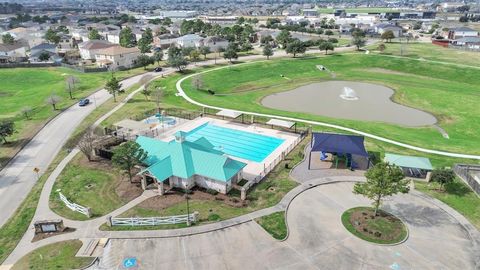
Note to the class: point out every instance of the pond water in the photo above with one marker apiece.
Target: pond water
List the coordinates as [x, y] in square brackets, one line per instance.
[371, 102]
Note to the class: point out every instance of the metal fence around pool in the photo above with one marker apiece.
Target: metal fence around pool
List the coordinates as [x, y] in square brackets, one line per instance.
[466, 173]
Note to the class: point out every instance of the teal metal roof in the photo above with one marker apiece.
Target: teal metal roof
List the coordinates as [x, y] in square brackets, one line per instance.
[409, 161]
[185, 159]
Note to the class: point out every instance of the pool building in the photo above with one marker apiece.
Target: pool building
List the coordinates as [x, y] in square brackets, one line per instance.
[184, 164]
[213, 154]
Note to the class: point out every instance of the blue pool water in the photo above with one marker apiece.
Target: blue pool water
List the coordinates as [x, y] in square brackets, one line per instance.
[241, 144]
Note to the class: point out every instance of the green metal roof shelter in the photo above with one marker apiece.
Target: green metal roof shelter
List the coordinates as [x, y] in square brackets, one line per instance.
[184, 159]
[413, 162]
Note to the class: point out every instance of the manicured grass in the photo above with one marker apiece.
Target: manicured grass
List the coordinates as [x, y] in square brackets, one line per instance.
[13, 230]
[456, 195]
[430, 52]
[448, 92]
[30, 87]
[390, 227]
[54, 256]
[274, 224]
[92, 187]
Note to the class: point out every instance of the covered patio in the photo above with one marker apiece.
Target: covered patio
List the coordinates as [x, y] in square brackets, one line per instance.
[417, 167]
[330, 149]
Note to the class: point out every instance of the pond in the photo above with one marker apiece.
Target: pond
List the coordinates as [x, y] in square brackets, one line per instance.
[349, 100]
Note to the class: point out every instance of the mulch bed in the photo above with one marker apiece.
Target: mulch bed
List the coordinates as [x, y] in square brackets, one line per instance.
[41, 236]
[361, 219]
[174, 196]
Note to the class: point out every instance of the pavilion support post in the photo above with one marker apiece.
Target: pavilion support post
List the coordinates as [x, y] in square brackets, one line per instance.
[144, 182]
[161, 188]
[309, 159]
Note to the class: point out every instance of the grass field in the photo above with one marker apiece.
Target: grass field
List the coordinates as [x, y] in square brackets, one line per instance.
[458, 196]
[30, 87]
[448, 92]
[430, 52]
[54, 256]
[274, 224]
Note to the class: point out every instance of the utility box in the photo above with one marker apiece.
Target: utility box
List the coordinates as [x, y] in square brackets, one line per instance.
[49, 226]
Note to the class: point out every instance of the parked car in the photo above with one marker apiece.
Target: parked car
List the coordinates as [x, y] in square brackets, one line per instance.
[157, 69]
[83, 102]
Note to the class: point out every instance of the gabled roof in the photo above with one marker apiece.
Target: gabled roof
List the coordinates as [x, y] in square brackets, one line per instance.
[117, 49]
[44, 46]
[464, 29]
[10, 47]
[95, 44]
[338, 143]
[409, 161]
[185, 159]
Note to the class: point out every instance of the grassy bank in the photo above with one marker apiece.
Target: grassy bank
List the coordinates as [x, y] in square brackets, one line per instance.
[456, 195]
[54, 256]
[447, 92]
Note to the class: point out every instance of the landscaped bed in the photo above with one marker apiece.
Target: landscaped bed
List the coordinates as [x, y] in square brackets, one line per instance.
[384, 228]
[54, 256]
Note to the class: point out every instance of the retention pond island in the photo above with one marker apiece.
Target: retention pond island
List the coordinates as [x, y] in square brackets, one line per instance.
[349, 100]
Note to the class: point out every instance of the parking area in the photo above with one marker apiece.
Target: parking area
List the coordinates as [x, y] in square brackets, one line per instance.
[317, 240]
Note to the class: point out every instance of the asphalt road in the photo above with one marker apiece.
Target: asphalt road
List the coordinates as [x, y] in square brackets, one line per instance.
[18, 177]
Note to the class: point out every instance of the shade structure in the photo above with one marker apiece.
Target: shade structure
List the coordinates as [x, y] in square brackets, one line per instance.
[132, 125]
[229, 113]
[338, 143]
[280, 123]
[409, 161]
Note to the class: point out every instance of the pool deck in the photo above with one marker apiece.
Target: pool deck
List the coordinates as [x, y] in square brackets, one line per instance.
[254, 171]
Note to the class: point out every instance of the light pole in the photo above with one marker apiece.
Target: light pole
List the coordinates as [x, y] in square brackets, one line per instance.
[188, 208]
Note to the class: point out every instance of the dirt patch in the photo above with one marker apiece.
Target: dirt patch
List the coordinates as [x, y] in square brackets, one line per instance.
[386, 71]
[42, 236]
[173, 197]
[125, 190]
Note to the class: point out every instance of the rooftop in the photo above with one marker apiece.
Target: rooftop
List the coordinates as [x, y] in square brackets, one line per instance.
[117, 49]
[185, 159]
[408, 161]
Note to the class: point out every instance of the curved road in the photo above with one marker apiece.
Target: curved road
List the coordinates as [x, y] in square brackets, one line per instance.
[369, 135]
[18, 178]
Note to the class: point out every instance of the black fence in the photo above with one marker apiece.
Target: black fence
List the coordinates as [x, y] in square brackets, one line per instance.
[29, 65]
[85, 69]
[466, 172]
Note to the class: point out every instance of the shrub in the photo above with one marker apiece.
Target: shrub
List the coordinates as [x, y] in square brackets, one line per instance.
[212, 191]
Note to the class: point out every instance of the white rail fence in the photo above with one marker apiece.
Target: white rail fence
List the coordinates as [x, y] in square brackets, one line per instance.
[153, 221]
[75, 207]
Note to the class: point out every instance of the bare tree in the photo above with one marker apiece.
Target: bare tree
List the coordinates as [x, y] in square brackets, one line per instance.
[197, 82]
[53, 100]
[26, 111]
[71, 82]
[157, 95]
[87, 144]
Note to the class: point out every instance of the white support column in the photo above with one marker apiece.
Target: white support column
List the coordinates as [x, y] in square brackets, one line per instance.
[161, 188]
[144, 182]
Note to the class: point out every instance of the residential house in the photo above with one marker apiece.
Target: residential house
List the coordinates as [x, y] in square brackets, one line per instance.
[113, 36]
[310, 12]
[472, 43]
[12, 53]
[66, 43]
[461, 32]
[47, 48]
[117, 57]
[184, 164]
[165, 41]
[190, 40]
[384, 27]
[214, 43]
[88, 49]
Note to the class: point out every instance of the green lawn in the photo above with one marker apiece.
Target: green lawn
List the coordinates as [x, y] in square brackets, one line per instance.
[274, 224]
[54, 256]
[88, 185]
[430, 52]
[30, 87]
[458, 196]
[448, 92]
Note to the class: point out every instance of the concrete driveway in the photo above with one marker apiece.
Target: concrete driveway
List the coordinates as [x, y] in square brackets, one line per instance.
[317, 240]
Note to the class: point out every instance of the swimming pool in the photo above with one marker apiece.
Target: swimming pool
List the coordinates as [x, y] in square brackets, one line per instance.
[241, 144]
